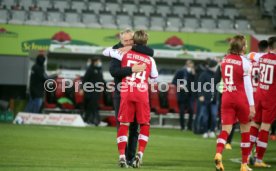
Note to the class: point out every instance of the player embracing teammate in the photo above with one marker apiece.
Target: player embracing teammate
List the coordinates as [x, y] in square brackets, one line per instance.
[134, 97]
[237, 100]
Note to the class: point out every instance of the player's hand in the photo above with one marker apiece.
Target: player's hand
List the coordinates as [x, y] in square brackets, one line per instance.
[124, 50]
[201, 99]
[138, 67]
[252, 112]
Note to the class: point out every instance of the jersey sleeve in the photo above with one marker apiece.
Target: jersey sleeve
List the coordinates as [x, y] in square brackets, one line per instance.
[247, 81]
[113, 53]
[246, 66]
[248, 90]
[154, 71]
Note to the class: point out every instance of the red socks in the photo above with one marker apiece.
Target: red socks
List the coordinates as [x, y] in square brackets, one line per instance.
[253, 136]
[143, 137]
[122, 138]
[221, 141]
[262, 144]
[245, 146]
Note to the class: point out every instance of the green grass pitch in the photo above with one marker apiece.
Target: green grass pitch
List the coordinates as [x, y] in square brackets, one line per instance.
[45, 148]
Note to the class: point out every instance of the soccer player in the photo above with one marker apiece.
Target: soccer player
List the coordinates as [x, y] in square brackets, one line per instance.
[237, 100]
[118, 72]
[255, 123]
[134, 97]
[266, 106]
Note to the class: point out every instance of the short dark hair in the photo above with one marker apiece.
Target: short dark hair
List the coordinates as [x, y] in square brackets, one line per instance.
[272, 42]
[263, 45]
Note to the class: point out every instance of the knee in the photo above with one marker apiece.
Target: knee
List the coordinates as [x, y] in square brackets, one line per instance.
[124, 123]
[265, 126]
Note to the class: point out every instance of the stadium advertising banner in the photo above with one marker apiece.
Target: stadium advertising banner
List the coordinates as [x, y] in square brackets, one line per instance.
[20, 39]
[58, 119]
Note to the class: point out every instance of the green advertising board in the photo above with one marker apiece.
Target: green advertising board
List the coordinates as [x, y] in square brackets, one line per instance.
[19, 39]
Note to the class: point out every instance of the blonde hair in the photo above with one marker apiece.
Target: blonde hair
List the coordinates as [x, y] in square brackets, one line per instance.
[140, 37]
[122, 33]
[237, 44]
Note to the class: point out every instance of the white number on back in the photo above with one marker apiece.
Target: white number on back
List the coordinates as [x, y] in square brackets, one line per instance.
[140, 75]
[229, 74]
[266, 73]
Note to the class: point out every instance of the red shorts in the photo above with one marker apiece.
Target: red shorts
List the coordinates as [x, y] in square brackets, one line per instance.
[266, 112]
[233, 110]
[130, 109]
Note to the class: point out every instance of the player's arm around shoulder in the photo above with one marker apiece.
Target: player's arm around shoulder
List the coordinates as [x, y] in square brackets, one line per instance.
[254, 56]
[114, 53]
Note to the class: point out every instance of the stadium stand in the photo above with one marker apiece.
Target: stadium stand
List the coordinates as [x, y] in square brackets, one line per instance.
[175, 15]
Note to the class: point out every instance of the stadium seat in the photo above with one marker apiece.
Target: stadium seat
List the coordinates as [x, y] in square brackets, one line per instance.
[155, 102]
[207, 23]
[54, 17]
[197, 10]
[35, 18]
[90, 19]
[4, 16]
[203, 2]
[242, 24]
[79, 96]
[188, 2]
[267, 7]
[129, 7]
[61, 4]
[170, 2]
[123, 20]
[163, 8]
[174, 23]
[157, 22]
[180, 9]
[18, 16]
[8, 3]
[274, 18]
[26, 3]
[44, 4]
[220, 3]
[225, 23]
[107, 20]
[140, 21]
[230, 11]
[172, 99]
[146, 7]
[191, 23]
[112, 6]
[78, 5]
[95, 6]
[213, 10]
[72, 18]
[59, 93]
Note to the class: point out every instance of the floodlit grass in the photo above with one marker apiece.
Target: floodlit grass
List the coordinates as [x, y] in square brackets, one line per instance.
[45, 148]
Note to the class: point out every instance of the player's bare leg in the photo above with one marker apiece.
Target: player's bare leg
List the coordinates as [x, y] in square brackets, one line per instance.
[122, 142]
[262, 143]
[221, 141]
